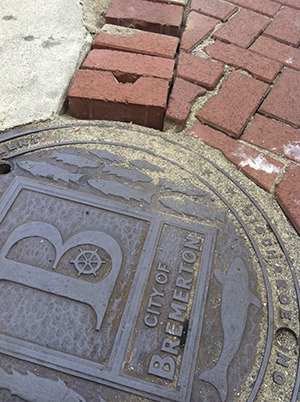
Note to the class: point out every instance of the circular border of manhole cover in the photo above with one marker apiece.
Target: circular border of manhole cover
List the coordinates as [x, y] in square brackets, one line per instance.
[203, 189]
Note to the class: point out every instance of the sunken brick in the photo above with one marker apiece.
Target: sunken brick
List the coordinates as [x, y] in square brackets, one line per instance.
[182, 96]
[98, 95]
[124, 64]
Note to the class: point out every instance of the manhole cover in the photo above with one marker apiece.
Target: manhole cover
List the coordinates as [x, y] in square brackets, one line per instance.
[134, 269]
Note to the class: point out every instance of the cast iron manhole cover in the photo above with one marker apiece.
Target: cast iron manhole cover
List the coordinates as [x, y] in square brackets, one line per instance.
[134, 269]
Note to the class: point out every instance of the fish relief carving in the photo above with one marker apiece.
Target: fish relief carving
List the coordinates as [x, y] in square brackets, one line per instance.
[73, 159]
[109, 156]
[142, 164]
[189, 189]
[113, 187]
[43, 169]
[33, 388]
[235, 302]
[128, 174]
[191, 208]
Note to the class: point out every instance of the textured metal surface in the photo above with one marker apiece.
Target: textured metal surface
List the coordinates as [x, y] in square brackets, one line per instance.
[133, 268]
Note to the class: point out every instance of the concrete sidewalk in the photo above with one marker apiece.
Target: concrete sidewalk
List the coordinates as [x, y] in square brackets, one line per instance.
[41, 44]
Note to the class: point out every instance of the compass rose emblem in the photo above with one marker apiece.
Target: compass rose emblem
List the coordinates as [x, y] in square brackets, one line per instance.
[87, 262]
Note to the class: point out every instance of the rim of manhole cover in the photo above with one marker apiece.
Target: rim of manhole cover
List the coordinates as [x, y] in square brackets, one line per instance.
[134, 267]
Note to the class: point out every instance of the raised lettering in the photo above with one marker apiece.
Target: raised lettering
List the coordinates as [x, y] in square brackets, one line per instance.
[156, 293]
[162, 367]
[162, 267]
[254, 220]
[282, 360]
[161, 278]
[149, 310]
[181, 282]
[271, 254]
[169, 346]
[189, 256]
[277, 269]
[260, 230]
[185, 269]
[11, 147]
[191, 242]
[181, 295]
[279, 378]
[178, 310]
[247, 211]
[23, 143]
[267, 242]
[285, 314]
[284, 299]
[152, 303]
[34, 139]
[171, 329]
[150, 320]
[281, 283]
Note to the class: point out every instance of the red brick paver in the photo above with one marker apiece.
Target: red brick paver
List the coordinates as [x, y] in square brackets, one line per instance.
[281, 52]
[146, 15]
[126, 65]
[199, 71]
[286, 27]
[262, 169]
[274, 136]
[259, 66]
[176, 2]
[198, 28]
[283, 102]
[233, 106]
[182, 96]
[243, 28]
[288, 195]
[291, 3]
[266, 7]
[253, 115]
[98, 95]
[213, 8]
[136, 41]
